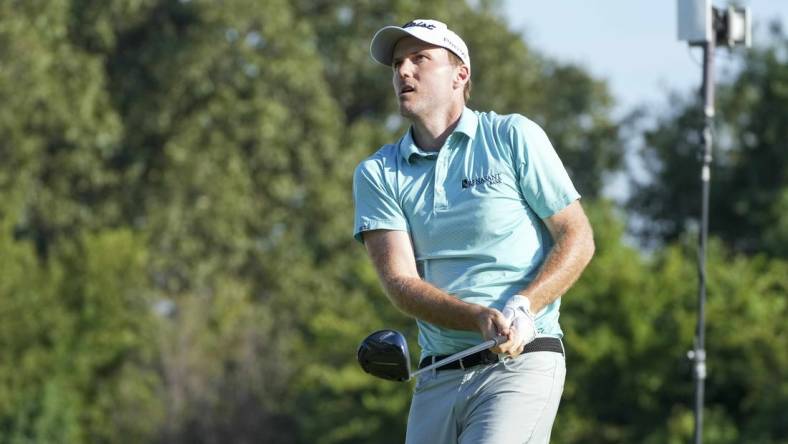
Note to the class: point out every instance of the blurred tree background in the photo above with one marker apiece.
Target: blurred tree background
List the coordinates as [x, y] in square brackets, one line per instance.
[176, 260]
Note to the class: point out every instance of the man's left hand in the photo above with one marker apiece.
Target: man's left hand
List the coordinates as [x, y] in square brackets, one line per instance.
[523, 326]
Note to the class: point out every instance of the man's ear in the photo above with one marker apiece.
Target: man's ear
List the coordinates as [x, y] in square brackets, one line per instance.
[461, 77]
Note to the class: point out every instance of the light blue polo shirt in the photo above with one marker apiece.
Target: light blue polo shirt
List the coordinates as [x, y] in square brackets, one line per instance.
[473, 210]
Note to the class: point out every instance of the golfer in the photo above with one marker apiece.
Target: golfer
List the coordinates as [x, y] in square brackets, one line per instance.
[476, 230]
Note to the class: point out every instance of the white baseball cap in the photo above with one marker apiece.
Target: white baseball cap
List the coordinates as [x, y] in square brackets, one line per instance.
[429, 31]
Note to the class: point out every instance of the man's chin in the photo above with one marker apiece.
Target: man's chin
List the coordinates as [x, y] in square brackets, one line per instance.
[406, 111]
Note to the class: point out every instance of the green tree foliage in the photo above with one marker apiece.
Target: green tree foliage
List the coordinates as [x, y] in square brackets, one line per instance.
[629, 323]
[223, 369]
[77, 343]
[176, 263]
[107, 345]
[750, 169]
[57, 124]
[32, 404]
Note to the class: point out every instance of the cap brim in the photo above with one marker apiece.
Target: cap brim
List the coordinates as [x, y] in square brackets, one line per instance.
[382, 46]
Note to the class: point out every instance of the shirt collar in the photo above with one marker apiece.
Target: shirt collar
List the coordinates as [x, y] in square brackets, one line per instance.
[467, 125]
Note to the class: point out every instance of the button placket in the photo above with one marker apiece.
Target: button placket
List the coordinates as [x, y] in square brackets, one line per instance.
[441, 166]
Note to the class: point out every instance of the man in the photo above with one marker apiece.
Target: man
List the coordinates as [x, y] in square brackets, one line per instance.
[475, 229]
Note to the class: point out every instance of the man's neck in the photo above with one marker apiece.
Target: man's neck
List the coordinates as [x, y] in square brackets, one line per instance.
[431, 132]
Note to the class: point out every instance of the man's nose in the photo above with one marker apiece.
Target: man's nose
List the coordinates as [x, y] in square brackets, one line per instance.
[405, 69]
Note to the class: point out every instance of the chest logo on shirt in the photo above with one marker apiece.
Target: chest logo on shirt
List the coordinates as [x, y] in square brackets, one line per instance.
[490, 179]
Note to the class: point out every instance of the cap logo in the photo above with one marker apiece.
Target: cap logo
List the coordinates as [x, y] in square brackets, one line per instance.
[419, 24]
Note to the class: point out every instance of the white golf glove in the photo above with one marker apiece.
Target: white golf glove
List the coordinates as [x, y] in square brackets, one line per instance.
[518, 311]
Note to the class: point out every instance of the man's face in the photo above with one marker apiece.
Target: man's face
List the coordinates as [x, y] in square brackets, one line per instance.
[424, 77]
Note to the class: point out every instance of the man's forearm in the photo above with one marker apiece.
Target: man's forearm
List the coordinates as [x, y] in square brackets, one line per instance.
[392, 254]
[428, 303]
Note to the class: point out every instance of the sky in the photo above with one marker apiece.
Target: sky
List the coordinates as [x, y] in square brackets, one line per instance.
[633, 44]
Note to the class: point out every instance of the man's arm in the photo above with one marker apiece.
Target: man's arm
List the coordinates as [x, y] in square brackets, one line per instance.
[392, 255]
[572, 251]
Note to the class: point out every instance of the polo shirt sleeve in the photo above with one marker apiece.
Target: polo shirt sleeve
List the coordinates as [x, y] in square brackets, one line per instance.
[543, 180]
[376, 205]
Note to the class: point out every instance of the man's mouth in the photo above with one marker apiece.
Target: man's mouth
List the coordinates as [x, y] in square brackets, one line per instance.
[406, 89]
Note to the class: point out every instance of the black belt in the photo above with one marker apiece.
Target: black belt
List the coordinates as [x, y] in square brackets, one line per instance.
[485, 357]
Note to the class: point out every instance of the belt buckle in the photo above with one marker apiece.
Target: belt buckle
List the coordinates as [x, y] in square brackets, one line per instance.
[488, 357]
[462, 364]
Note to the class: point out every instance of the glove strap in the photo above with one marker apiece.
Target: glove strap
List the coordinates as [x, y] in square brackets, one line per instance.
[521, 303]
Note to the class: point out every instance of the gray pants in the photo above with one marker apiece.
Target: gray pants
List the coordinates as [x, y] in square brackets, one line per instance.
[512, 401]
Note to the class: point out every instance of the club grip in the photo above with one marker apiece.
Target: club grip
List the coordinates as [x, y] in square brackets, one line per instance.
[459, 355]
[496, 341]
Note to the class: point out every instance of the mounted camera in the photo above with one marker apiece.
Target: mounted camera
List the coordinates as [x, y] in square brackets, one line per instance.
[700, 22]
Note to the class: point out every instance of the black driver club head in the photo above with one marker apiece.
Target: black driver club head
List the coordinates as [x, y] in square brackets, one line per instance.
[385, 354]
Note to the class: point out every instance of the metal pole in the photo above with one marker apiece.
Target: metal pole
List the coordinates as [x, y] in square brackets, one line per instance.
[699, 353]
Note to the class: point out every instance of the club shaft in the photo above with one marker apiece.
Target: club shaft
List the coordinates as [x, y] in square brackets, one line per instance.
[459, 355]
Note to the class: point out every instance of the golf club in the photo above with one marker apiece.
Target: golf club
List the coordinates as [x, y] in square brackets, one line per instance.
[385, 354]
